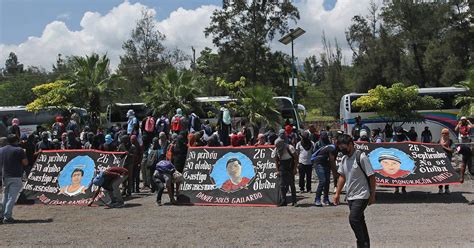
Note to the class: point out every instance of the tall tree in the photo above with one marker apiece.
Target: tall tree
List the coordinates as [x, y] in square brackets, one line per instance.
[12, 65]
[242, 30]
[144, 53]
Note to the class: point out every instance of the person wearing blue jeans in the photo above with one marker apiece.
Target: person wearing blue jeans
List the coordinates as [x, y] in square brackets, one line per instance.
[324, 159]
[324, 174]
[12, 159]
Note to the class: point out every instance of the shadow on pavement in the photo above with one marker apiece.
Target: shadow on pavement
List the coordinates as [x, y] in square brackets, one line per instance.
[420, 197]
[33, 221]
[131, 205]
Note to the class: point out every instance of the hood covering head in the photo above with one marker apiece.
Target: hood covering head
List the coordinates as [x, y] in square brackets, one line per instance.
[179, 112]
[226, 116]
[130, 113]
[288, 129]
[324, 137]
[108, 139]
[59, 119]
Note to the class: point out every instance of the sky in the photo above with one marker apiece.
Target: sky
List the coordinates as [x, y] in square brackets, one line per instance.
[38, 30]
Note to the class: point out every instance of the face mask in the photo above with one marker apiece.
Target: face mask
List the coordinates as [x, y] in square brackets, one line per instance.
[344, 151]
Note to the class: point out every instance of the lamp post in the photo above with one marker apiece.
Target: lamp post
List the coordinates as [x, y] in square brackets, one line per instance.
[290, 37]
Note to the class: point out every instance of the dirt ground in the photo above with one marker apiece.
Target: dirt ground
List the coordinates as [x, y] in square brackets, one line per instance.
[421, 218]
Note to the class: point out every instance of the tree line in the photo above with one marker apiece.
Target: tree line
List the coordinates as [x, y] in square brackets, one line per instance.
[417, 44]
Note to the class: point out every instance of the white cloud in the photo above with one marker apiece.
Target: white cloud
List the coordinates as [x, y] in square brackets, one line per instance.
[106, 33]
[315, 20]
[183, 29]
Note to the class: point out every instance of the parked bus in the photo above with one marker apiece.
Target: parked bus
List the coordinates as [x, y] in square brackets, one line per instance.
[30, 120]
[435, 119]
[116, 113]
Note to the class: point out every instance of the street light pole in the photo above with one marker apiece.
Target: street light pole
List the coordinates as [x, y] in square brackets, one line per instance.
[294, 33]
[293, 73]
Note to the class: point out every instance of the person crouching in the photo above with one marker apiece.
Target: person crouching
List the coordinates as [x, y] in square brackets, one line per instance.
[166, 175]
[110, 181]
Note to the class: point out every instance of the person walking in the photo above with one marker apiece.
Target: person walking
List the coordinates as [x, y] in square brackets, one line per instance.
[130, 151]
[305, 149]
[12, 160]
[357, 174]
[399, 137]
[324, 160]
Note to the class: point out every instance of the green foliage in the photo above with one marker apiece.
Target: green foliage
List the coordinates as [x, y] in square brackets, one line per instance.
[397, 103]
[144, 54]
[58, 94]
[467, 99]
[242, 33]
[12, 65]
[171, 90]
[259, 108]
[15, 90]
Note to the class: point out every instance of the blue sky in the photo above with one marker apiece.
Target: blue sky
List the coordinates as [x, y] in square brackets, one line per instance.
[38, 30]
[20, 19]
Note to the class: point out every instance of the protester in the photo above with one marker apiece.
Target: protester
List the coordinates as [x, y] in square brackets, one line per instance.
[286, 160]
[179, 153]
[150, 158]
[466, 160]
[138, 157]
[305, 149]
[198, 140]
[388, 131]
[130, 150]
[72, 142]
[110, 181]
[191, 139]
[324, 160]
[214, 140]
[464, 129]
[30, 148]
[131, 122]
[314, 133]
[261, 140]
[399, 137]
[109, 145]
[177, 121]
[163, 125]
[237, 139]
[12, 161]
[426, 136]
[364, 136]
[377, 138]
[90, 139]
[73, 124]
[208, 131]
[246, 133]
[448, 147]
[224, 126]
[358, 177]
[290, 136]
[194, 123]
[148, 130]
[44, 144]
[166, 175]
[83, 135]
[412, 135]
[15, 128]
[357, 127]
[58, 128]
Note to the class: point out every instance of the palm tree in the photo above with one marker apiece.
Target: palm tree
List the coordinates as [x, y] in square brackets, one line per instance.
[467, 99]
[259, 107]
[92, 78]
[171, 90]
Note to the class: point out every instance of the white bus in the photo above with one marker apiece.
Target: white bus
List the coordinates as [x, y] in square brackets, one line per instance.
[116, 113]
[435, 119]
[30, 120]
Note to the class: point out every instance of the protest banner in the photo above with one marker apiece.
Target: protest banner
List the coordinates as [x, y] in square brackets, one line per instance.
[64, 177]
[230, 176]
[409, 164]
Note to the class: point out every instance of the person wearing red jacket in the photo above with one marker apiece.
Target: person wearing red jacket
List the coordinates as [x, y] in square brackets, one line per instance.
[110, 181]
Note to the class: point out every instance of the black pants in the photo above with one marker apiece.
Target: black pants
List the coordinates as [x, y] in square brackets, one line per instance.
[357, 221]
[306, 172]
[287, 180]
[136, 178]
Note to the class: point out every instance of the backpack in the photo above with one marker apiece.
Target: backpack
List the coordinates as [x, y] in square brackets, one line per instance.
[99, 179]
[176, 124]
[169, 152]
[150, 124]
[195, 122]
